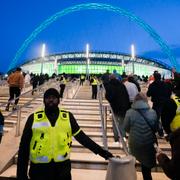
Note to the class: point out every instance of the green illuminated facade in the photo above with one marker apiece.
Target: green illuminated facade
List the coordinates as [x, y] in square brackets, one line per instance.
[93, 69]
[76, 63]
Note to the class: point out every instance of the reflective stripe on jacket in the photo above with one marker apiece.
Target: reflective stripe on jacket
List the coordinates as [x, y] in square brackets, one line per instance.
[49, 142]
[176, 121]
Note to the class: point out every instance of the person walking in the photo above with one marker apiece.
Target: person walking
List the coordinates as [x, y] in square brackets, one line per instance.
[159, 93]
[118, 97]
[47, 139]
[82, 79]
[131, 89]
[171, 165]
[16, 84]
[63, 82]
[105, 78]
[141, 123]
[94, 83]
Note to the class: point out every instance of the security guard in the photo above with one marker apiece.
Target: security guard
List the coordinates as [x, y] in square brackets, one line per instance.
[175, 124]
[47, 140]
[170, 116]
[63, 83]
[82, 79]
[94, 84]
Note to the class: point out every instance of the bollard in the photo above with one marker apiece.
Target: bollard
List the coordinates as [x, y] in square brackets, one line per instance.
[121, 168]
[18, 122]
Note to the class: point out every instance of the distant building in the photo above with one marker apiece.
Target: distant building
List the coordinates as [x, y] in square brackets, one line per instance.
[76, 63]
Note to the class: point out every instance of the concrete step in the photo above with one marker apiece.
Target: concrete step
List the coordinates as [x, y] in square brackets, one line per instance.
[83, 174]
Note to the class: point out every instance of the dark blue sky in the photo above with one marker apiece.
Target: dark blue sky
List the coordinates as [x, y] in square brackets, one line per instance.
[104, 31]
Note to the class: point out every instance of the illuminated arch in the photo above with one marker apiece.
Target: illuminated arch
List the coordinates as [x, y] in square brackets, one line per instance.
[90, 6]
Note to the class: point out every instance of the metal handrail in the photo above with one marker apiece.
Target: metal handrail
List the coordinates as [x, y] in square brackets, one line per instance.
[114, 118]
[71, 89]
[19, 114]
[19, 108]
[103, 118]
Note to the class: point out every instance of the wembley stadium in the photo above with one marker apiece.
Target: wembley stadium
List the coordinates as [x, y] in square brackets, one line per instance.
[97, 63]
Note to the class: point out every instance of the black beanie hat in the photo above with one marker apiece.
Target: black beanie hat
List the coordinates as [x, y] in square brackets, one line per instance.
[51, 91]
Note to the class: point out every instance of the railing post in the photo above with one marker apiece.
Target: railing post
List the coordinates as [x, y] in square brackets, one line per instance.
[18, 122]
[105, 126]
[105, 118]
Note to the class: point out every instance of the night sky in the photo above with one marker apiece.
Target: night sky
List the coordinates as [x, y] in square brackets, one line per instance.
[103, 30]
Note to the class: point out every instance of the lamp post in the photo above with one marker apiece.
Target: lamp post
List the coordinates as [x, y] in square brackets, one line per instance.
[87, 61]
[42, 57]
[132, 57]
[55, 66]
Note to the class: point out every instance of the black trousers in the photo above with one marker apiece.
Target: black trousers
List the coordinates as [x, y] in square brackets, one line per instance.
[81, 82]
[51, 171]
[94, 91]
[146, 172]
[14, 93]
[62, 87]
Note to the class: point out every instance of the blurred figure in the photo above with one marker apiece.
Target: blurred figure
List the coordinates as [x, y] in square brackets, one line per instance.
[1, 125]
[170, 115]
[171, 166]
[62, 85]
[105, 78]
[141, 124]
[131, 89]
[16, 84]
[82, 79]
[159, 93]
[94, 83]
[132, 80]
[117, 75]
[27, 80]
[34, 81]
[118, 97]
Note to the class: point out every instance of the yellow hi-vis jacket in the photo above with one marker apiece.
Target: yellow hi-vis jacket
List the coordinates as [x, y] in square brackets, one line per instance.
[49, 142]
[63, 81]
[95, 82]
[176, 121]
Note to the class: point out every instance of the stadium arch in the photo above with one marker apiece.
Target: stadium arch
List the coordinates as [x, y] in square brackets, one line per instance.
[96, 6]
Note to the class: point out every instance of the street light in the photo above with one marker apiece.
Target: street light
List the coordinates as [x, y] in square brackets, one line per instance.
[87, 61]
[132, 56]
[42, 56]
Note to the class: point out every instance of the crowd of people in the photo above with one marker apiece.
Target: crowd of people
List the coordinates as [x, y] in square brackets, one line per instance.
[140, 122]
[136, 119]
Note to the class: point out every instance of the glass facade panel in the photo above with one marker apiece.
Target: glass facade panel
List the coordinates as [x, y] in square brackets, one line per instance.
[93, 69]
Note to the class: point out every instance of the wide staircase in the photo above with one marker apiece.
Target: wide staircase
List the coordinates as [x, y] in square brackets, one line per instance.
[85, 164]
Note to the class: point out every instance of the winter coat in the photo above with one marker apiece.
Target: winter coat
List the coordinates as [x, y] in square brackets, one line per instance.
[141, 138]
[117, 96]
[159, 92]
[16, 79]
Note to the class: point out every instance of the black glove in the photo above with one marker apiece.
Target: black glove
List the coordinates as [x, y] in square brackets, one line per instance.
[105, 154]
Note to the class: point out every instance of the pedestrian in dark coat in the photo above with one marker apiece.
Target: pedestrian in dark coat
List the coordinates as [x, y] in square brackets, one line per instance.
[159, 93]
[141, 137]
[118, 98]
